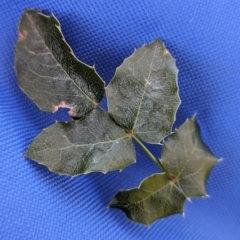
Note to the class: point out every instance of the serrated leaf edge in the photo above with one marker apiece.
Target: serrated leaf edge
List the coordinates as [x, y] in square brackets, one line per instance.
[194, 119]
[176, 80]
[138, 188]
[84, 173]
[71, 52]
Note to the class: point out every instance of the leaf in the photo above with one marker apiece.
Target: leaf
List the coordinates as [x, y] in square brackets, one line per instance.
[157, 197]
[143, 95]
[48, 71]
[92, 144]
[187, 159]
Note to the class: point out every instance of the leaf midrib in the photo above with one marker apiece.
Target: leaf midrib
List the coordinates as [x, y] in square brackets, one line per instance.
[187, 161]
[58, 61]
[143, 199]
[143, 94]
[89, 144]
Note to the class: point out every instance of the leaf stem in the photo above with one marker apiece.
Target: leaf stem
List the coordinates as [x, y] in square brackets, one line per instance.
[158, 163]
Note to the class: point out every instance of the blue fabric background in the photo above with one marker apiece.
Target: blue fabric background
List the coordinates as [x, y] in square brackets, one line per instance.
[204, 37]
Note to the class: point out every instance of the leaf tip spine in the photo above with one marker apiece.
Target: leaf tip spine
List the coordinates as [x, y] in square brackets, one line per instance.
[166, 52]
[194, 116]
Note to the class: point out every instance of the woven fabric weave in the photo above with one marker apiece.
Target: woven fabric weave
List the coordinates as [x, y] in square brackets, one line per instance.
[204, 37]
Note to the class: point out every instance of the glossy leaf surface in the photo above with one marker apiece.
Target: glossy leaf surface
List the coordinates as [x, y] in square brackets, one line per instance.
[143, 95]
[92, 144]
[157, 197]
[48, 71]
[188, 159]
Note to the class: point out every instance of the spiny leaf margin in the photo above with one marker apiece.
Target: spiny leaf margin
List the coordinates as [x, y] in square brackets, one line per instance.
[187, 159]
[48, 71]
[143, 95]
[92, 144]
[157, 197]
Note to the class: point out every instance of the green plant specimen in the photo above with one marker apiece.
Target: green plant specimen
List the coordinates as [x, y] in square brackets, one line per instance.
[142, 103]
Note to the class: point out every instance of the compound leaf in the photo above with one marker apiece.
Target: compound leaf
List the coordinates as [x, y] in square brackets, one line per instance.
[143, 95]
[92, 144]
[49, 73]
[157, 197]
[187, 159]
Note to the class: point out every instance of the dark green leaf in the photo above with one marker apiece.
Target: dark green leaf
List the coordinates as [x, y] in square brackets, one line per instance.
[157, 197]
[143, 95]
[48, 71]
[187, 159]
[92, 144]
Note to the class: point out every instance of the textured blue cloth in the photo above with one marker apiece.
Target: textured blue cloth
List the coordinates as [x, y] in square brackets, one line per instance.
[204, 37]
